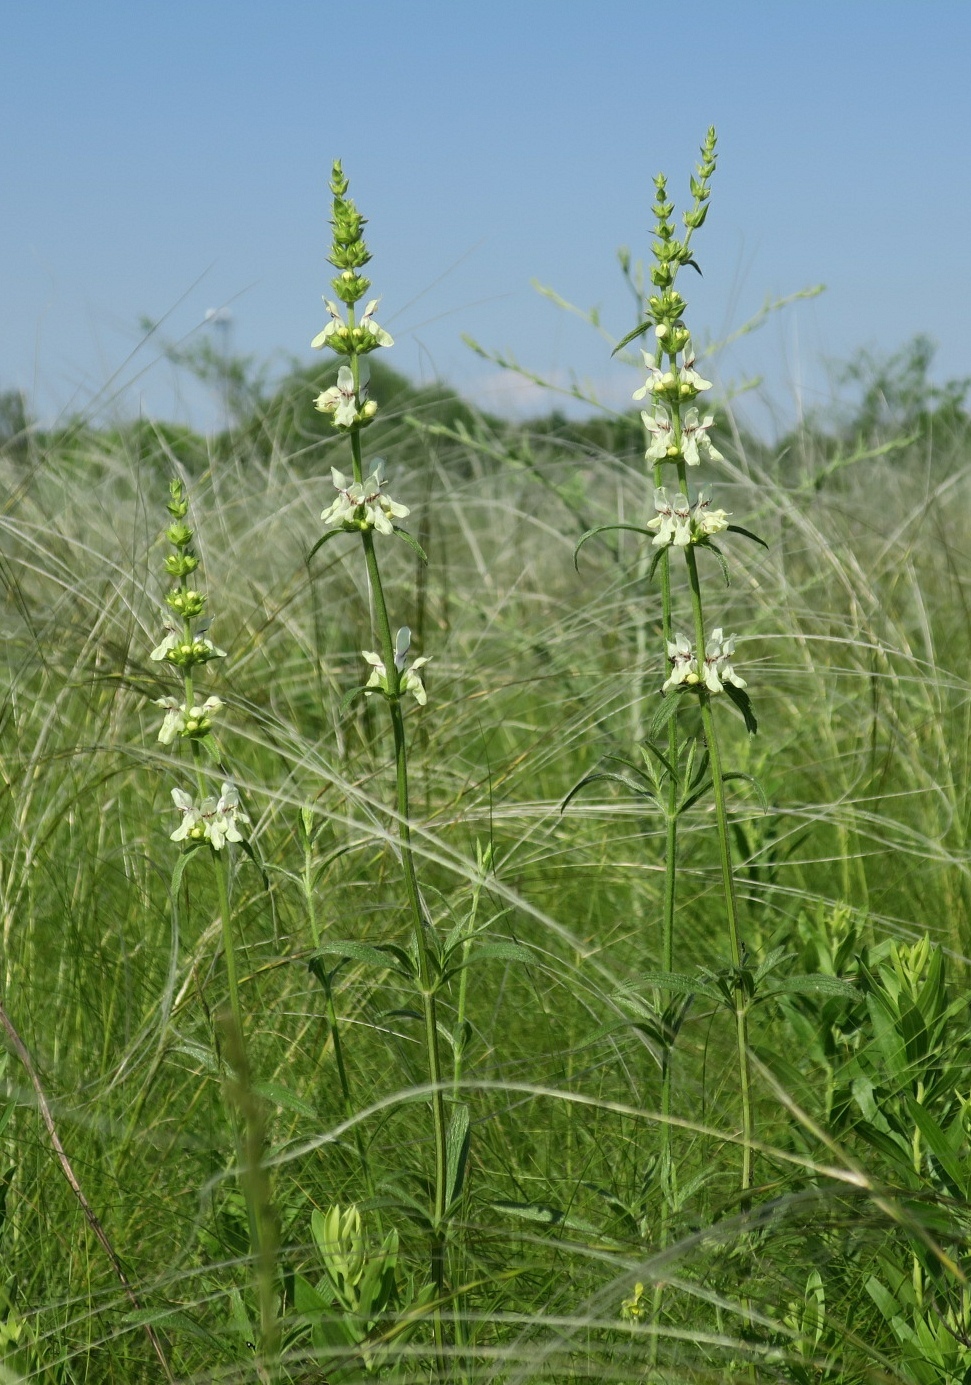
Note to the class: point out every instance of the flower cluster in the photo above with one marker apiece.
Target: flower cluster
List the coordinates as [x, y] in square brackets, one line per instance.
[676, 384]
[190, 722]
[678, 522]
[349, 405]
[214, 820]
[184, 645]
[348, 254]
[363, 504]
[185, 649]
[716, 668]
[408, 680]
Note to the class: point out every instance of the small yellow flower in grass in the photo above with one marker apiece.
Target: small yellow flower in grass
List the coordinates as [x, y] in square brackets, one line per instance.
[635, 1308]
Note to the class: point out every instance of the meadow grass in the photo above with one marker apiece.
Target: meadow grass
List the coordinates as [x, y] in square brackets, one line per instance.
[843, 1259]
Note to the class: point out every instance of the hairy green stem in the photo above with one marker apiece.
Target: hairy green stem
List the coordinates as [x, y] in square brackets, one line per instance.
[728, 876]
[249, 1136]
[427, 979]
[667, 928]
[324, 977]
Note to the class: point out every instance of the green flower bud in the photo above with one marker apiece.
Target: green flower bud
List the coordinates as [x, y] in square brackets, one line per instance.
[338, 183]
[350, 256]
[349, 287]
[188, 604]
[179, 535]
[696, 218]
[180, 564]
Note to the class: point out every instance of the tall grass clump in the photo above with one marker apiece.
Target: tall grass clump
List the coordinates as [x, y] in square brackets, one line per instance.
[444, 976]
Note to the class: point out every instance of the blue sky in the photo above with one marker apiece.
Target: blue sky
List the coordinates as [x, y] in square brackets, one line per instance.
[163, 160]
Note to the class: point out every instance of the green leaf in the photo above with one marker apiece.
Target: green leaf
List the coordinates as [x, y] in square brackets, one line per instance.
[495, 952]
[813, 983]
[693, 798]
[678, 983]
[198, 1053]
[546, 1216]
[181, 862]
[177, 1320]
[746, 533]
[632, 336]
[603, 529]
[412, 543]
[352, 696]
[648, 744]
[744, 704]
[331, 534]
[248, 849]
[388, 956]
[883, 1298]
[713, 548]
[748, 779]
[456, 1153]
[279, 1095]
[306, 1299]
[670, 703]
[937, 1142]
[635, 789]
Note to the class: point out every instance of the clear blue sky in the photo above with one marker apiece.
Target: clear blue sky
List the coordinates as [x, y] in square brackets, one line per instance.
[166, 159]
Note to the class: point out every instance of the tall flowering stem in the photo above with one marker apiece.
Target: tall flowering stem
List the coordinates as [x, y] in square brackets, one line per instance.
[678, 436]
[209, 823]
[362, 506]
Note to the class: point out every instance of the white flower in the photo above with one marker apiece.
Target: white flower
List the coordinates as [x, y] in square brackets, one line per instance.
[172, 721]
[718, 665]
[178, 721]
[336, 324]
[171, 640]
[193, 818]
[213, 821]
[695, 442]
[368, 324]
[662, 434]
[657, 379]
[176, 649]
[409, 681]
[684, 665]
[227, 813]
[673, 520]
[689, 376]
[363, 504]
[340, 400]
[706, 520]
[679, 523]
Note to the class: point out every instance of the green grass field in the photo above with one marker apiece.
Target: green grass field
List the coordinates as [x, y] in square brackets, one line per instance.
[571, 1251]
